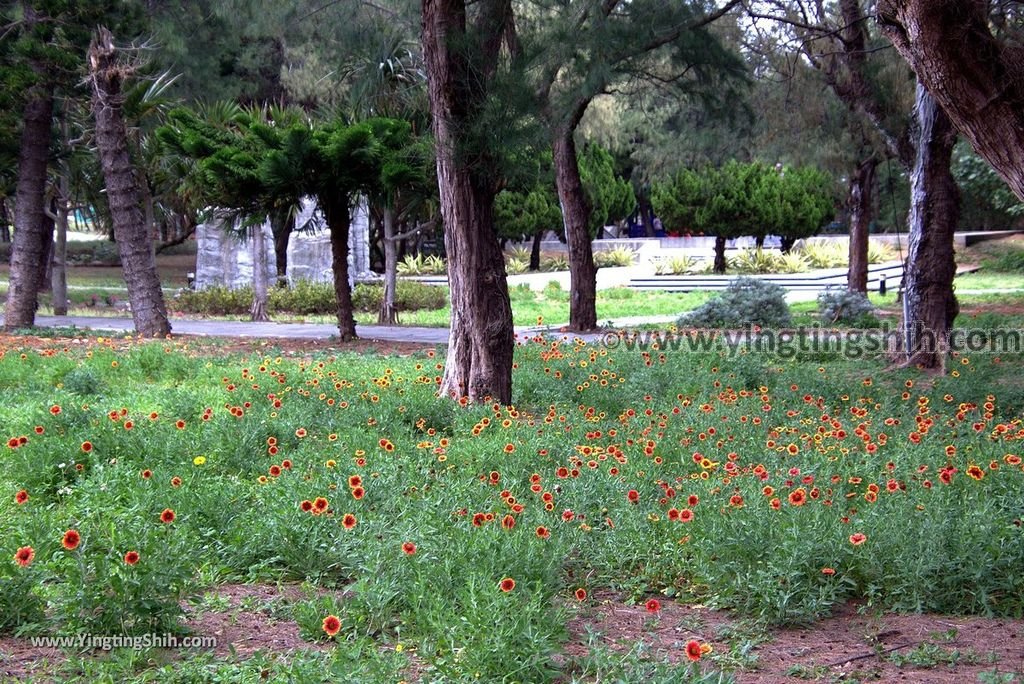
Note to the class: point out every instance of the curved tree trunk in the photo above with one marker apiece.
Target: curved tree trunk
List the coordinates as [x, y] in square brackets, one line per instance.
[481, 338]
[929, 303]
[388, 314]
[861, 210]
[720, 263]
[978, 81]
[29, 248]
[138, 258]
[338, 216]
[576, 215]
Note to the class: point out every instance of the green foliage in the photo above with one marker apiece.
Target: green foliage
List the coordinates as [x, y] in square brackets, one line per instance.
[746, 302]
[738, 199]
[420, 264]
[620, 256]
[675, 265]
[609, 197]
[821, 254]
[555, 262]
[844, 306]
[880, 252]
[80, 253]
[305, 297]
[518, 215]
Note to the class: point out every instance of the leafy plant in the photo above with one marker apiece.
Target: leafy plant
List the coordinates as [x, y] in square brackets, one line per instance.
[747, 301]
[620, 256]
[674, 265]
[554, 263]
[844, 306]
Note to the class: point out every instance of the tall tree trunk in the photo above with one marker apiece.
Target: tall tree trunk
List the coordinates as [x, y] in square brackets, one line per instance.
[388, 314]
[976, 79]
[59, 261]
[720, 263]
[786, 244]
[5, 223]
[282, 235]
[258, 312]
[861, 211]
[535, 251]
[576, 215]
[138, 258]
[338, 215]
[30, 210]
[644, 204]
[481, 338]
[930, 305]
[46, 257]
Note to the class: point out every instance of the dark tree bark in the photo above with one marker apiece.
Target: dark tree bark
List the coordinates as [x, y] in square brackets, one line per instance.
[281, 239]
[861, 204]
[786, 244]
[977, 80]
[30, 240]
[5, 224]
[481, 337]
[535, 251]
[576, 215]
[138, 258]
[339, 218]
[929, 303]
[644, 205]
[720, 263]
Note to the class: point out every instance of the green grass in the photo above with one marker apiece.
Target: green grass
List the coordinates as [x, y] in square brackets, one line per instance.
[621, 440]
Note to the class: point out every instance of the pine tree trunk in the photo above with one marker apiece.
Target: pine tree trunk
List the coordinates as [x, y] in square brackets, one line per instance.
[338, 215]
[58, 276]
[5, 223]
[786, 244]
[861, 211]
[720, 264]
[576, 215]
[535, 251]
[930, 305]
[27, 252]
[976, 78]
[258, 312]
[481, 337]
[138, 258]
[388, 314]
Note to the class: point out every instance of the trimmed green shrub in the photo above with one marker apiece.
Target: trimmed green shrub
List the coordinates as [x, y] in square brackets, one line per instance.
[747, 301]
[844, 306]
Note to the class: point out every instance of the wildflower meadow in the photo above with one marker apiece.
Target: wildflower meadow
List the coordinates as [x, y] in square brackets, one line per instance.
[436, 540]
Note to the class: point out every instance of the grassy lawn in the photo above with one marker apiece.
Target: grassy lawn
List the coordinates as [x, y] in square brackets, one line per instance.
[452, 542]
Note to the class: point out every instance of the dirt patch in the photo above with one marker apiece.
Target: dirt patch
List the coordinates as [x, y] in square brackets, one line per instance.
[849, 646]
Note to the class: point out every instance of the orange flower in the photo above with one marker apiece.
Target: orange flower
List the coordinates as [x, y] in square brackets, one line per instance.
[408, 548]
[21, 497]
[175, 481]
[358, 492]
[275, 470]
[167, 516]
[693, 650]
[331, 625]
[828, 571]
[306, 506]
[71, 540]
[320, 505]
[798, 497]
[543, 532]
[685, 515]
[24, 556]
[131, 558]
[146, 474]
[348, 521]
[653, 606]
[975, 472]
[858, 538]
[180, 424]
[507, 584]
[354, 481]
[581, 594]
[87, 446]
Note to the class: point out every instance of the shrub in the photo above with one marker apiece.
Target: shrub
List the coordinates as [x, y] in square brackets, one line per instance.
[880, 252]
[555, 263]
[793, 262]
[844, 306]
[825, 254]
[306, 297]
[747, 301]
[1008, 261]
[516, 266]
[755, 261]
[80, 253]
[518, 252]
[620, 256]
[422, 265]
[675, 265]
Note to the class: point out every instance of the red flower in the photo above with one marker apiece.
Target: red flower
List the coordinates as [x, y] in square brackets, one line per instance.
[693, 650]
[358, 492]
[507, 584]
[24, 556]
[275, 470]
[858, 538]
[408, 548]
[55, 410]
[348, 521]
[71, 540]
[175, 481]
[86, 446]
[167, 516]
[543, 532]
[508, 522]
[306, 506]
[21, 497]
[146, 474]
[180, 424]
[633, 495]
[798, 497]
[331, 625]
[131, 558]
[828, 571]
[653, 605]
[581, 594]
[320, 505]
